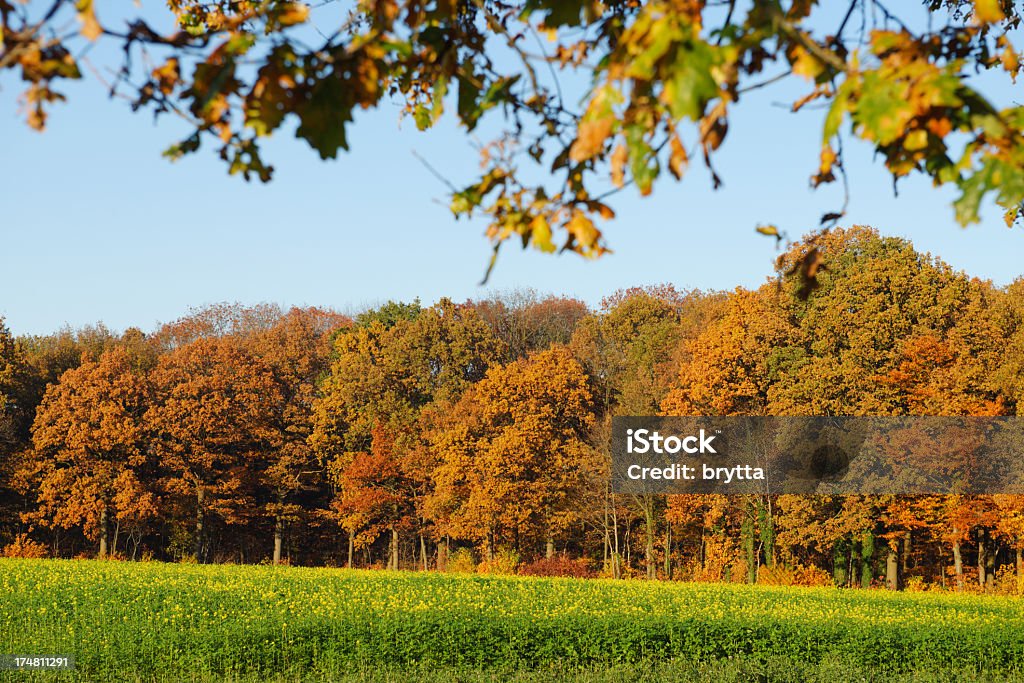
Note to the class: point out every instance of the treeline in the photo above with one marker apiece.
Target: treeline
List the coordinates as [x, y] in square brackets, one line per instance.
[477, 434]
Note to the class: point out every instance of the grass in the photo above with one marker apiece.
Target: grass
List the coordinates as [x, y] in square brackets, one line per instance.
[155, 622]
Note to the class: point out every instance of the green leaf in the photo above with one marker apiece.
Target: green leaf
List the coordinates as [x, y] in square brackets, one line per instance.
[323, 117]
[691, 85]
[643, 163]
[882, 109]
[186, 146]
[967, 205]
[837, 111]
[468, 110]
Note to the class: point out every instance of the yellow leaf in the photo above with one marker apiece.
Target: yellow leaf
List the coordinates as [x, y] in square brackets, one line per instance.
[769, 230]
[828, 158]
[619, 158]
[167, 76]
[988, 11]
[805, 64]
[1010, 60]
[597, 124]
[678, 159]
[583, 229]
[540, 232]
[293, 13]
[591, 137]
[91, 28]
[916, 140]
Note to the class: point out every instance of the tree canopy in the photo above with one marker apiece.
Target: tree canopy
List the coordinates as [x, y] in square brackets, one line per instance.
[578, 98]
[428, 436]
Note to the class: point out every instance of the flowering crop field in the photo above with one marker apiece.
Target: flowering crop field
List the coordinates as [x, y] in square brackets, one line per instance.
[177, 622]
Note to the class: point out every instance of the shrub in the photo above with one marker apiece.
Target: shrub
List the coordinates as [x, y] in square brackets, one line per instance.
[503, 562]
[559, 565]
[1007, 582]
[796, 575]
[25, 547]
[461, 561]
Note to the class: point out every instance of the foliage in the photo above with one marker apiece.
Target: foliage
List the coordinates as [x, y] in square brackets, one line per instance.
[663, 80]
[781, 575]
[24, 547]
[461, 561]
[558, 565]
[512, 458]
[213, 416]
[527, 323]
[89, 439]
[504, 563]
[248, 434]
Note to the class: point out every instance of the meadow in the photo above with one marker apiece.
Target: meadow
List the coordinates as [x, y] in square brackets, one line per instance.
[151, 621]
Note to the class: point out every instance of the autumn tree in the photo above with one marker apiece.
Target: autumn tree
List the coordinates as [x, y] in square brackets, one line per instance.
[1010, 315]
[887, 331]
[15, 417]
[735, 359]
[91, 462]
[630, 349]
[216, 415]
[526, 322]
[385, 375]
[11, 358]
[514, 457]
[377, 495]
[297, 350]
[217, 321]
[390, 313]
[727, 368]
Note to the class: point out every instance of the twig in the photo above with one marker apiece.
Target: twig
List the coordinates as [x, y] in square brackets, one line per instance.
[433, 171]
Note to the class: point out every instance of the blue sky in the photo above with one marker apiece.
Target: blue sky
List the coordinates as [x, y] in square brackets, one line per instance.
[96, 226]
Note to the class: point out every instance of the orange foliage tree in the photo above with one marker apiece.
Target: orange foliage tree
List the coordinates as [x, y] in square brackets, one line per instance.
[514, 457]
[216, 415]
[92, 464]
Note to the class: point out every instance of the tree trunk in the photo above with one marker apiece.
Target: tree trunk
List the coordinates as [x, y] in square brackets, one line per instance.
[867, 553]
[958, 564]
[647, 505]
[616, 556]
[839, 559]
[104, 531]
[990, 567]
[767, 528]
[607, 533]
[278, 538]
[981, 558]
[1020, 563]
[200, 525]
[668, 551]
[442, 555]
[905, 567]
[423, 551]
[393, 559]
[747, 539]
[351, 548]
[549, 549]
[892, 566]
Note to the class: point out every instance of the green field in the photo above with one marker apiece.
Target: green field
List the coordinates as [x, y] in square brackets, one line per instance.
[148, 621]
